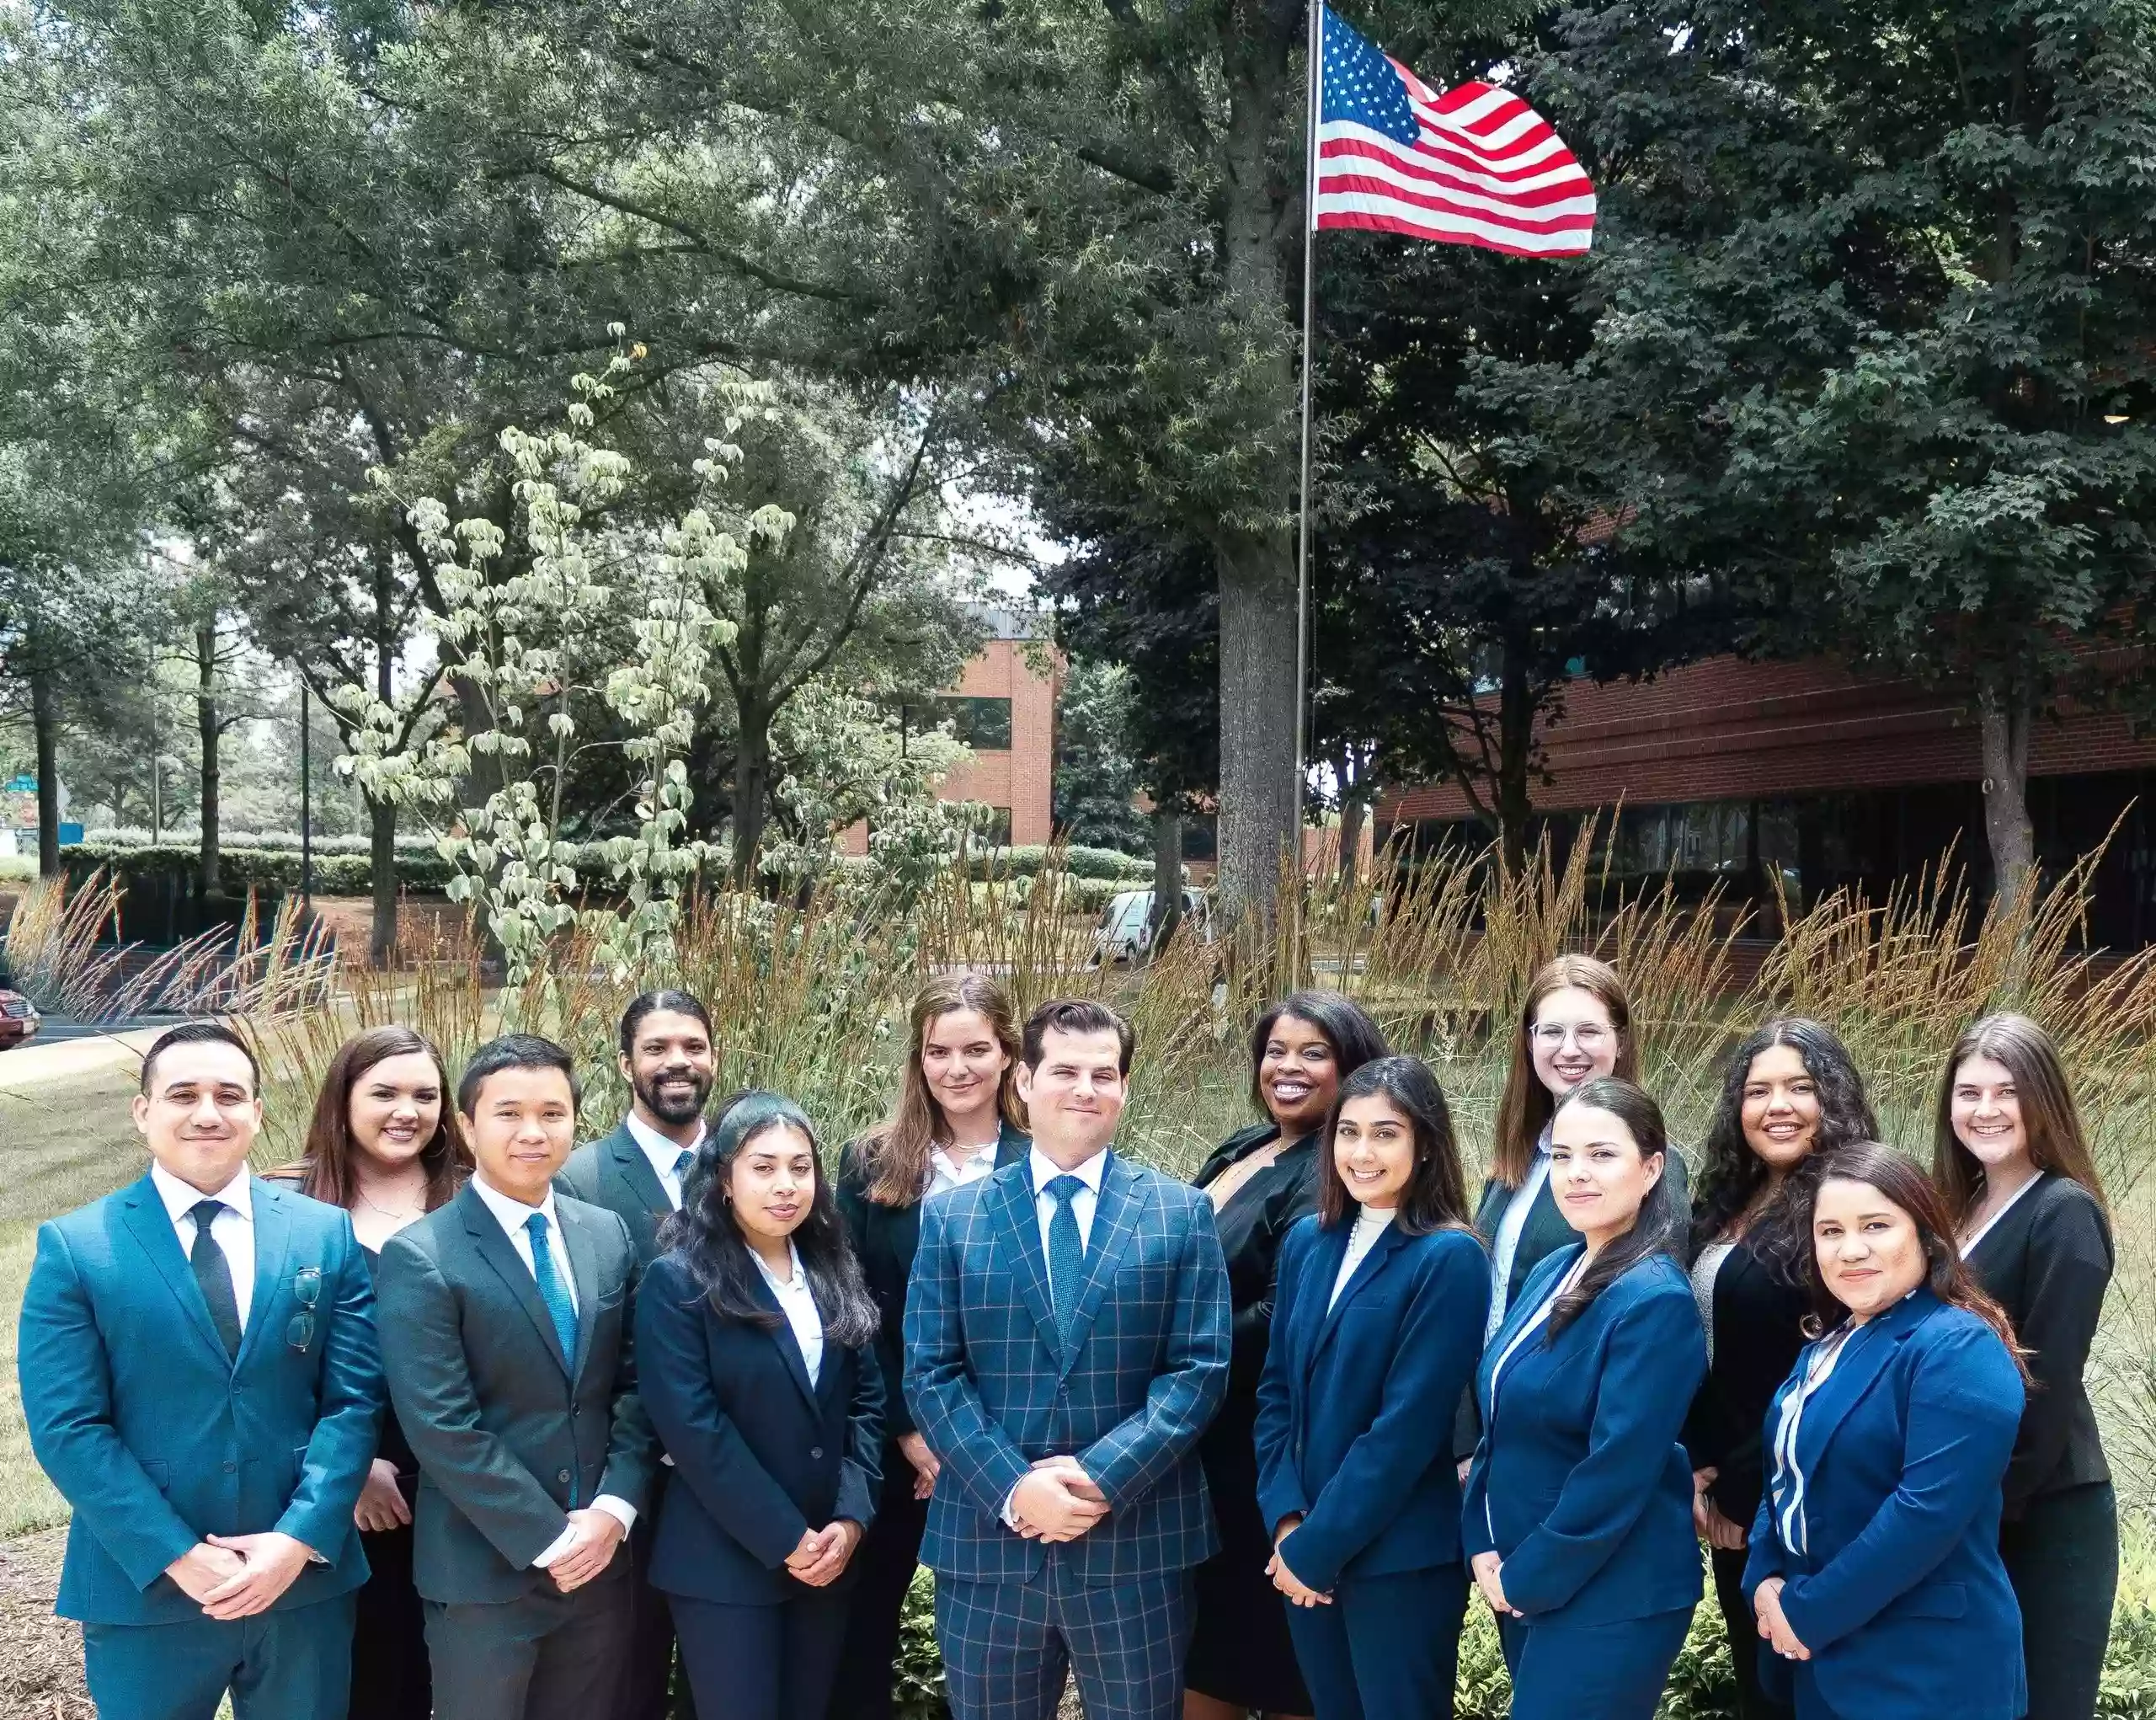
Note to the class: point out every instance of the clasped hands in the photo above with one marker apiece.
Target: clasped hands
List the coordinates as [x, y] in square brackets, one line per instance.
[1773, 1624]
[1707, 1519]
[823, 1552]
[1056, 1501]
[1286, 1581]
[236, 1576]
[1489, 1577]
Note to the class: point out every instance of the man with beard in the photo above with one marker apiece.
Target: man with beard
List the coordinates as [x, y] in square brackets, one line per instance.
[667, 1057]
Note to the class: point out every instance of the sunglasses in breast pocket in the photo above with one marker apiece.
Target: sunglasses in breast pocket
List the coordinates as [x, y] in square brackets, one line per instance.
[306, 1292]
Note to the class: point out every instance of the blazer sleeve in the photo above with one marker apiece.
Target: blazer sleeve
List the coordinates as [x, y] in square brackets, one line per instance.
[349, 1417]
[1252, 1329]
[1439, 1341]
[431, 1388]
[860, 1471]
[974, 1450]
[2069, 1270]
[1652, 1364]
[710, 1456]
[1137, 1453]
[1763, 1557]
[857, 1213]
[1279, 1487]
[1964, 1407]
[67, 1385]
[633, 1448]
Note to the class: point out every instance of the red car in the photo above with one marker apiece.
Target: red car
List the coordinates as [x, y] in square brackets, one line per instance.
[19, 1019]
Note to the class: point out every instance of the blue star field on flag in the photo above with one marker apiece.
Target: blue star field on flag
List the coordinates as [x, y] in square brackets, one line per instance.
[1360, 84]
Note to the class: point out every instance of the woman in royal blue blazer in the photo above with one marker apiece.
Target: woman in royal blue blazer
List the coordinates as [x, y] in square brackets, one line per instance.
[1377, 1322]
[1876, 1573]
[1578, 1514]
[754, 1356]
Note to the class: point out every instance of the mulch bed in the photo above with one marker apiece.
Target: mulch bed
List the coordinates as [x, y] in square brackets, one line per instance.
[41, 1656]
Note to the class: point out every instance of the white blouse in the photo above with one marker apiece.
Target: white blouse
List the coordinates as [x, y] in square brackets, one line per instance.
[798, 1305]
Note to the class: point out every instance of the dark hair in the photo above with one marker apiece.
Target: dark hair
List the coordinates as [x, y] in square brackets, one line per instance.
[1732, 1175]
[1659, 1228]
[669, 1002]
[708, 1236]
[514, 1051]
[325, 1171]
[1436, 1195]
[1074, 1015]
[894, 1155]
[2048, 1113]
[1354, 1037]
[1903, 1185]
[1527, 1106]
[202, 1032]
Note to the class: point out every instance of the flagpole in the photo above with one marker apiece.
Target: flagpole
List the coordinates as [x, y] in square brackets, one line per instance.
[1315, 53]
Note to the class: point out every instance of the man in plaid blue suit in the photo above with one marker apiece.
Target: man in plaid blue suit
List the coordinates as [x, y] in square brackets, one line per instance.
[1067, 1335]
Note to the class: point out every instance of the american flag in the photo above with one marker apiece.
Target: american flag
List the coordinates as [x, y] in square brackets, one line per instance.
[1475, 166]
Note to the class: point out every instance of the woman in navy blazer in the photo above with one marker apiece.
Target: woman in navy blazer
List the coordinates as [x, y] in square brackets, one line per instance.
[752, 1344]
[1377, 1322]
[1876, 1573]
[1578, 1515]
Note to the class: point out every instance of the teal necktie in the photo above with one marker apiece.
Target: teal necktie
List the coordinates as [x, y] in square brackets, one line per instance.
[1066, 1252]
[551, 1290]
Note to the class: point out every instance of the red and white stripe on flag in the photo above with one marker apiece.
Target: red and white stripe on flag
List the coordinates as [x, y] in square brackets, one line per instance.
[1481, 167]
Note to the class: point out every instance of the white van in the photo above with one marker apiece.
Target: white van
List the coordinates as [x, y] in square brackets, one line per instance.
[1125, 930]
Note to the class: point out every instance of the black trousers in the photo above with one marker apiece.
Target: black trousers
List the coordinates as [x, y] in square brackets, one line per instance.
[2062, 1558]
[648, 1675]
[1752, 1703]
[549, 1656]
[883, 1569]
[391, 1679]
[762, 1663]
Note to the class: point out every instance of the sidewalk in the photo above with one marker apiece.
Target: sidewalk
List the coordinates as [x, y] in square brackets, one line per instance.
[61, 1060]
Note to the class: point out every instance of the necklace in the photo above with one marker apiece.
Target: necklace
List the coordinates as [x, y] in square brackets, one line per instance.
[368, 1200]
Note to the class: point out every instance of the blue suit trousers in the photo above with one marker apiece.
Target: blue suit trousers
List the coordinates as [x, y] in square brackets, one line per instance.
[292, 1663]
[1592, 1672]
[1387, 1648]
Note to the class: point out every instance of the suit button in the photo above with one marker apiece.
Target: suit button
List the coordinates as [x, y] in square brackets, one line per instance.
[231, 1469]
[575, 1410]
[564, 1477]
[815, 1450]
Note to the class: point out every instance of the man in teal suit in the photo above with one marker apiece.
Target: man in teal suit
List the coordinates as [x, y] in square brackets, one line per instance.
[506, 1319]
[199, 1373]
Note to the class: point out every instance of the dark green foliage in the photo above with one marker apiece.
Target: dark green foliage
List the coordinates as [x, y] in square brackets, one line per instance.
[1096, 772]
[270, 871]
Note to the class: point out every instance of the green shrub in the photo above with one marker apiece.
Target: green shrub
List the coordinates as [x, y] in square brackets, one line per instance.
[917, 1674]
[1024, 861]
[269, 871]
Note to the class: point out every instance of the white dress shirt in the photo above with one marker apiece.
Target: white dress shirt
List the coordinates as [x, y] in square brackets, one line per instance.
[1370, 1223]
[663, 1153]
[798, 1305]
[945, 1171]
[1504, 1248]
[232, 1230]
[512, 1214]
[1044, 1171]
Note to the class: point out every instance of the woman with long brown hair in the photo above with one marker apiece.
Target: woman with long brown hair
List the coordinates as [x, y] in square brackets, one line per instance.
[958, 1119]
[1875, 1573]
[384, 1144]
[2021, 1187]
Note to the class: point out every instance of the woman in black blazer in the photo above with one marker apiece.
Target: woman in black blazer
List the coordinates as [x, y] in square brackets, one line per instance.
[1262, 1180]
[752, 1341]
[2021, 1188]
[1789, 1094]
[958, 1119]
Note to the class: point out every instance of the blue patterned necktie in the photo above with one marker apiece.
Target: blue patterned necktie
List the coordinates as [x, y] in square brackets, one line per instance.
[552, 1291]
[1066, 1252]
[682, 1161]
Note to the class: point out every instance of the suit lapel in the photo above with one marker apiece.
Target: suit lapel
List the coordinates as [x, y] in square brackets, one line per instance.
[1367, 1269]
[635, 1169]
[583, 1268]
[1011, 1197]
[494, 1246]
[1116, 1211]
[152, 1224]
[1865, 1356]
[1312, 1319]
[273, 1240]
[1518, 1312]
[789, 1346]
[1012, 1145]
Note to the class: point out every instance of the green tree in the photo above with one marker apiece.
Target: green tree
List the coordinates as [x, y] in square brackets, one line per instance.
[1096, 772]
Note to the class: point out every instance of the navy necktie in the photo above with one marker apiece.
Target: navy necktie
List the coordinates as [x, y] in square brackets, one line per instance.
[1066, 1252]
[213, 1274]
[551, 1290]
[682, 1161]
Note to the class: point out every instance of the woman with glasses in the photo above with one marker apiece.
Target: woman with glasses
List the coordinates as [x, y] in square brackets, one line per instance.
[2022, 1191]
[383, 1144]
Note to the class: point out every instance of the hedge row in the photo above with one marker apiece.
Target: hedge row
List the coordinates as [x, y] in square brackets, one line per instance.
[270, 871]
[1023, 862]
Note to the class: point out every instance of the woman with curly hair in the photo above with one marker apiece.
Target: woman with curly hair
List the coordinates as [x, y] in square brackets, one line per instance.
[1790, 1092]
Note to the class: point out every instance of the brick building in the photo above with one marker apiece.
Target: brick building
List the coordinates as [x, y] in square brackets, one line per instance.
[1727, 770]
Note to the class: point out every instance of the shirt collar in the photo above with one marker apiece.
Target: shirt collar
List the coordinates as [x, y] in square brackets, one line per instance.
[511, 1214]
[1045, 1170]
[180, 1197]
[661, 1151]
[795, 1277]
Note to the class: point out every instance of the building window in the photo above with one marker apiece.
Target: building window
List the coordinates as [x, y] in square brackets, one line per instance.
[996, 832]
[984, 725]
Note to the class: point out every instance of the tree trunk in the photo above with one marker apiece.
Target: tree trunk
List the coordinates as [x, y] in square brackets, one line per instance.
[1353, 810]
[209, 866]
[1167, 879]
[382, 855]
[752, 787]
[2007, 715]
[45, 719]
[1515, 754]
[1257, 727]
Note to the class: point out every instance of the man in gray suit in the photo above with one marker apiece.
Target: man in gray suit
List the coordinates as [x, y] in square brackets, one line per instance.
[670, 1062]
[507, 1321]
